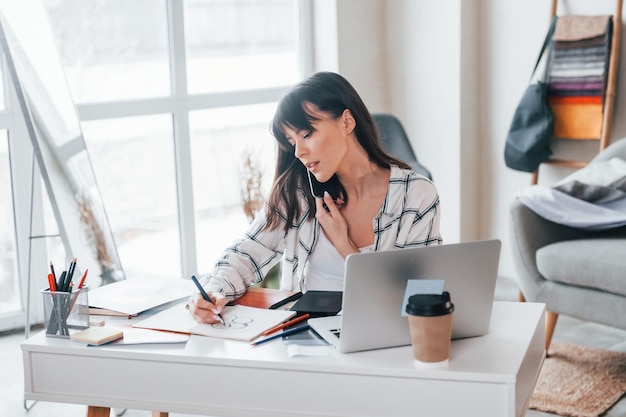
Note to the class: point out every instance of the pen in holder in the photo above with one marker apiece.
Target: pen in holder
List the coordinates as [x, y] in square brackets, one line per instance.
[64, 311]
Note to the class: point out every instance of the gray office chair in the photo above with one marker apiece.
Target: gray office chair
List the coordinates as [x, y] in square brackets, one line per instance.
[574, 272]
[396, 142]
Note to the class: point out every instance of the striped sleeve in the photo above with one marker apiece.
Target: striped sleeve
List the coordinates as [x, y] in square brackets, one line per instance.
[413, 213]
[247, 261]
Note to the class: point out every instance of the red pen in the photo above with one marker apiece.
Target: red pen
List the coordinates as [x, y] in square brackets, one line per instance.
[82, 280]
[52, 283]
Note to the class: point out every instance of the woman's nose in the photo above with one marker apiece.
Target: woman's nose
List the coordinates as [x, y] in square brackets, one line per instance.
[299, 149]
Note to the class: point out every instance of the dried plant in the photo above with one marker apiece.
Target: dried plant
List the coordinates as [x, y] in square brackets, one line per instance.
[94, 232]
[251, 180]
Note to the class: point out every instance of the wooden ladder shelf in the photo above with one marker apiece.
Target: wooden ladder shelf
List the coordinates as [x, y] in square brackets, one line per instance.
[609, 93]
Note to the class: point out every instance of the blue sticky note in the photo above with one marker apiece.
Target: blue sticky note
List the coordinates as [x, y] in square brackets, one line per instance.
[420, 286]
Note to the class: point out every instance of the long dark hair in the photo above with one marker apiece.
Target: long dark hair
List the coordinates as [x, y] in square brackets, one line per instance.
[332, 94]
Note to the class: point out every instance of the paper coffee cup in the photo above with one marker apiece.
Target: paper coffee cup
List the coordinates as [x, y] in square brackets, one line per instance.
[430, 326]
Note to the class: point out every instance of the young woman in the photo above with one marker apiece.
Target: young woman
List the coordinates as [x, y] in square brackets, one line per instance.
[366, 200]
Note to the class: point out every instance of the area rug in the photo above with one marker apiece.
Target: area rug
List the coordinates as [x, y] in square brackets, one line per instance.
[579, 381]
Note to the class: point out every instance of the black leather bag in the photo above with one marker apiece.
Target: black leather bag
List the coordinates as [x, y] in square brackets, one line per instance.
[528, 142]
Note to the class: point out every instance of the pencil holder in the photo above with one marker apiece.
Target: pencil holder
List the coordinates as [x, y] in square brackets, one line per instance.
[65, 311]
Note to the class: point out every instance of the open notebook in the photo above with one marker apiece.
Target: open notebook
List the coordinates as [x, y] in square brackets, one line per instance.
[241, 322]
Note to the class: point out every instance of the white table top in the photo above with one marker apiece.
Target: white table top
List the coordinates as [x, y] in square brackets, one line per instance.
[491, 375]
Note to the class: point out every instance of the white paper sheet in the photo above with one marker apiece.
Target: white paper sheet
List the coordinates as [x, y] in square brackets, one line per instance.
[136, 336]
[133, 296]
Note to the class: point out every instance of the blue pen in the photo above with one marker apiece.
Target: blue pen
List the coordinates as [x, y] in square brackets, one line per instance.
[283, 334]
[205, 296]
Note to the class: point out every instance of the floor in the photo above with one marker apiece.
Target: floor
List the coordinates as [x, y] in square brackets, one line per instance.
[11, 378]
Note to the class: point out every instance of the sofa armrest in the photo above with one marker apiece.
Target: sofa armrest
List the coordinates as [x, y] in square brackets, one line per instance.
[529, 233]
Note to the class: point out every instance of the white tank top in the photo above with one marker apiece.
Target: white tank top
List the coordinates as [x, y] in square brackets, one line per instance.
[325, 267]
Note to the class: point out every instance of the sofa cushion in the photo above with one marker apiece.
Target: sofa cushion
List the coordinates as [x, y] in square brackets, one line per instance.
[592, 263]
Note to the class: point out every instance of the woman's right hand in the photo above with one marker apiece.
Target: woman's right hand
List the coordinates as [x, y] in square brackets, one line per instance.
[335, 225]
[204, 312]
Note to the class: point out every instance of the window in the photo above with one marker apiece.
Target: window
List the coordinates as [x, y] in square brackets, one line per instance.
[112, 49]
[230, 136]
[241, 44]
[133, 160]
[168, 114]
[173, 96]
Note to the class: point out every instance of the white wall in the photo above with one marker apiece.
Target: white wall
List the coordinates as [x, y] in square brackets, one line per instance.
[425, 68]
[387, 51]
[453, 71]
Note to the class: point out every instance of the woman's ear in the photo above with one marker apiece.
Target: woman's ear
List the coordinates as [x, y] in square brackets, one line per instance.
[348, 121]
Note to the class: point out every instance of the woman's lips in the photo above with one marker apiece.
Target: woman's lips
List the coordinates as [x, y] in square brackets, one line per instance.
[312, 166]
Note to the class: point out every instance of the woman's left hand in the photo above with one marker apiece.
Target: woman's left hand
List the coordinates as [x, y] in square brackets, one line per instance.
[334, 225]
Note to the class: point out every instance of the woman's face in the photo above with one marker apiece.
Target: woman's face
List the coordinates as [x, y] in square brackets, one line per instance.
[323, 148]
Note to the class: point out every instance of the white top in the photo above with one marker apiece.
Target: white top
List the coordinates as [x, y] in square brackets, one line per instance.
[325, 267]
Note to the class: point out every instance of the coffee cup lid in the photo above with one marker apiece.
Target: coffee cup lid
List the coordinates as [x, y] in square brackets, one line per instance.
[430, 304]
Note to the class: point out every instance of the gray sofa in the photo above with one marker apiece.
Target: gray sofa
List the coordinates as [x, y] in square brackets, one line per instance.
[577, 273]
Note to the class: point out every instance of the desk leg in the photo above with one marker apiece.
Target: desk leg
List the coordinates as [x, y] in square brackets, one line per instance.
[93, 411]
[159, 414]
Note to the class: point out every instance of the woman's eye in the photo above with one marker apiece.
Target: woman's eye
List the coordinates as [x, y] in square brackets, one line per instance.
[307, 135]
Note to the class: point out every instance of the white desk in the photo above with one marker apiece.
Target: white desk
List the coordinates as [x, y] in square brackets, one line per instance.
[493, 375]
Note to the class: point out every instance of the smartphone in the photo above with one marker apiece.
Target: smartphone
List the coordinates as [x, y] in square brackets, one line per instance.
[317, 188]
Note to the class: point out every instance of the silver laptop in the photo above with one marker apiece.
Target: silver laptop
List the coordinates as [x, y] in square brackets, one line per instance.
[375, 289]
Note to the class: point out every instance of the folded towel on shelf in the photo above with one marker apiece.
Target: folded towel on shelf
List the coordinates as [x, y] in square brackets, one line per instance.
[574, 27]
[577, 120]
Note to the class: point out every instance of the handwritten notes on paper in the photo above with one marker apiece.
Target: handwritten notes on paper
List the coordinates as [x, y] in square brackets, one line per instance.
[241, 322]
